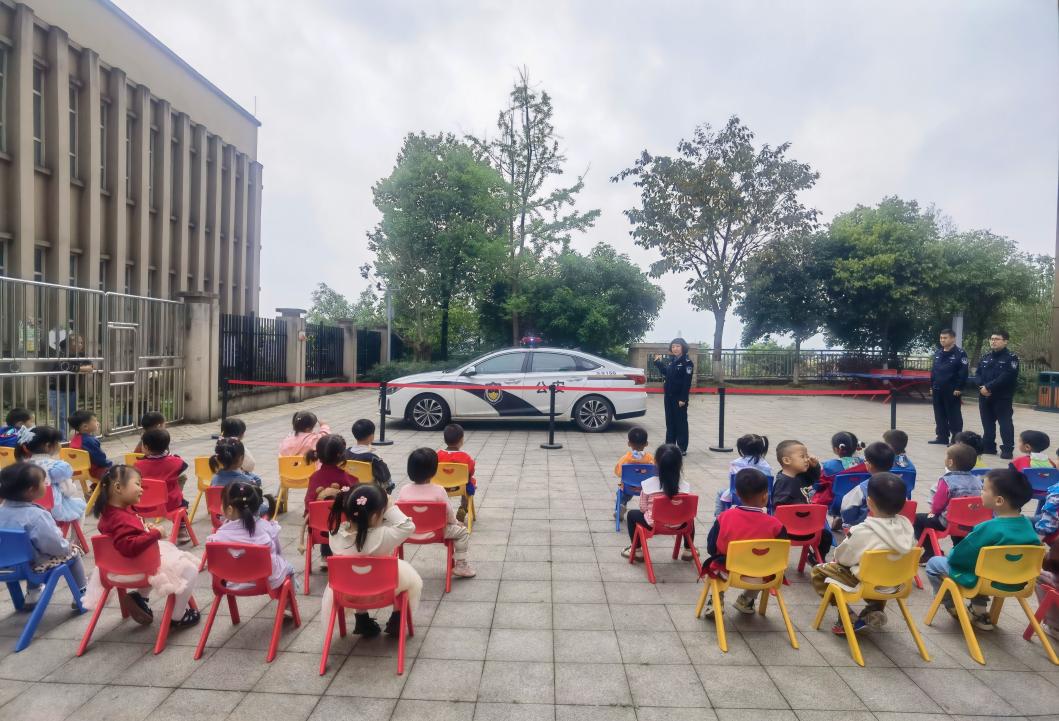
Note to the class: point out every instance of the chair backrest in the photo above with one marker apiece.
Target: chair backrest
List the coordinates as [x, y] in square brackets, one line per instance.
[675, 511]
[964, 513]
[363, 581]
[117, 571]
[47, 501]
[908, 475]
[735, 496]
[1042, 479]
[79, 460]
[131, 458]
[16, 554]
[1012, 566]
[239, 563]
[758, 559]
[7, 456]
[909, 511]
[430, 518]
[295, 470]
[802, 519]
[634, 474]
[203, 472]
[361, 470]
[319, 516]
[451, 474]
[886, 569]
[980, 471]
[215, 500]
[153, 499]
[843, 484]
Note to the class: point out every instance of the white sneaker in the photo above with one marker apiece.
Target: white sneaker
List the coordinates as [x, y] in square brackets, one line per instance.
[32, 595]
[183, 536]
[462, 569]
[743, 604]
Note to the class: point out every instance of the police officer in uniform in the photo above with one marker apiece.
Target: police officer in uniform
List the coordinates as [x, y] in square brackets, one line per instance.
[996, 378]
[948, 376]
[678, 374]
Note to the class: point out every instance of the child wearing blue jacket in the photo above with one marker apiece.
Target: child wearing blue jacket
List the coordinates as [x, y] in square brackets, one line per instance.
[878, 458]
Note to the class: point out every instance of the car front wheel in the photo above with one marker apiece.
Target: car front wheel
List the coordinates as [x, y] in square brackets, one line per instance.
[428, 412]
[593, 414]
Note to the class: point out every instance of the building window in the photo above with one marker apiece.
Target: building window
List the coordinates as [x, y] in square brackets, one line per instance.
[71, 298]
[152, 283]
[73, 131]
[73, 271]
[103, 108]
[38, 116]
[128, 280]
[3, 258]
[3, 98]
[104, 266]
[130, 125]
[150, 166]
[38, 264]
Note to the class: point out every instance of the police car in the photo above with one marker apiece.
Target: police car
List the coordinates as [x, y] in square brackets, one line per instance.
[487, 387]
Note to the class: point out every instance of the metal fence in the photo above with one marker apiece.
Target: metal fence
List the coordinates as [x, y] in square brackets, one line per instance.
[253, 348]
[323, 351]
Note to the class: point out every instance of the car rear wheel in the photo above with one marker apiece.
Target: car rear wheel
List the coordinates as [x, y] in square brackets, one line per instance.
[427, 412]
[593, 414]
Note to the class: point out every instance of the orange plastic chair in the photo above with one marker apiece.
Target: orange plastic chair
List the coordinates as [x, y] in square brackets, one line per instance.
[672, 517]
[999, 568]
[361, 470]
[1051, 598]
[7, 456]
[454, 477]
[126, 574]
[81, 462]
[203, 477]
[962, 516]
[249, 566]
[909, 512]
[294, 472]
[430, 519]
[884, 576]
[152, 505]
[362, 583]
[804, 523]
[752, 566]
[47, 503]
[317, 527]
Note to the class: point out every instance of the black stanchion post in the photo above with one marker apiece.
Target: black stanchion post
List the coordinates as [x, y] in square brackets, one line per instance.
[382, 418]
[720, 447]
[551, 444]
[224, 400]
[893, 410]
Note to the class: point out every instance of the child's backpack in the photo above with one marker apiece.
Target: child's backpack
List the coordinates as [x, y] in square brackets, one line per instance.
[9, 437]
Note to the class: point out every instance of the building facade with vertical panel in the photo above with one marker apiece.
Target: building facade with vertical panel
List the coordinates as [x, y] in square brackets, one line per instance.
[121, 168]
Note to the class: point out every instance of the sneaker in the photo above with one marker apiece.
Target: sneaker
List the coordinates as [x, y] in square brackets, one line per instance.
[981, 619]
[687, 555]
[874, 620]
[461, 515]
[139, 609]
[939, 442]
[744, 604]
[76, 603]
[462, 569]
[628, 549]
[812, 558]
[393, 626]
[366, 626]
[32, 595]
[858, 625]
[707, 611]
[190, 618]
[183, 536]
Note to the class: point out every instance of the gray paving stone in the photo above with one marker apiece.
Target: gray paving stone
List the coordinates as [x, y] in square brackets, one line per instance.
[197, 705]
[41, 658]
[652, 647]
[437, 680]
[1028, 693]
[228, 670]
[523, 615]
[513, 712]
[887, 690]
[518, 682]
[524, 591]
[49, 701]
[347, 709]
[742, 714]
[811, 688]
[367, 676]
[507, 644]
[466, 644]
[578, 592]
[122, 703]
[591, 684]
[591, 646]
[411, 710]
[659, 713]
[463, 614]
[677, 686]
[286, 706]
[297, 673]
[730, 687]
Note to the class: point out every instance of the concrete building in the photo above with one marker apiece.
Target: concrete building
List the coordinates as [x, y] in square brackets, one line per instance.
[121, 167]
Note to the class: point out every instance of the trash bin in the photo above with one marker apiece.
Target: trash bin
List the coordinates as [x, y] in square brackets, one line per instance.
[1048, 391]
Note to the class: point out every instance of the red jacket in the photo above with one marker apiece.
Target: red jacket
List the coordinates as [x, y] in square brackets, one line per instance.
[166, 468]
[126, 531]
[741, 523]
[447, 456]
[324, 477]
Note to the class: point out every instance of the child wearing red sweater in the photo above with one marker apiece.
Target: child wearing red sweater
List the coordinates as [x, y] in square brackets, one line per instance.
[177, 570]
[453, 453]
[158, 463]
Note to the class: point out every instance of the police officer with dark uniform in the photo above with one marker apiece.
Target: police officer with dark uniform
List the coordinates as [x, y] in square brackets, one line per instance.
[948, 376]
[678, 374]
[996, 378]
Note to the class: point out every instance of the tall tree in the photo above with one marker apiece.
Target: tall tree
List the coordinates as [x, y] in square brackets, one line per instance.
[708, 210]
[328, 305]
[539, 218]
[440, 235]
[784, 293]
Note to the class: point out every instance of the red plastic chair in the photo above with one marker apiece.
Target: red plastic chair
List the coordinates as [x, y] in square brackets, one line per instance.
[963, 515]
[1051, 598]
[47, 503]
[317, 532]
[126, 574]
[430, 518]
[245, 563]
[909, 512]
[362, 583]
[805, 527]
[215, 505]
[152, 505]
[672, 517]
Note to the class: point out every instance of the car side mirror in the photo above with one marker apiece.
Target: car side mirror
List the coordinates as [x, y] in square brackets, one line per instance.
[469, 371]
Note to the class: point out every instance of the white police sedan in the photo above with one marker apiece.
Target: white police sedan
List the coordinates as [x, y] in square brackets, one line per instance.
[488, 387]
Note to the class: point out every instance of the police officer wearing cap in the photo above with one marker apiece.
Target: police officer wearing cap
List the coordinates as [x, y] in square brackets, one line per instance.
[948, 376]
[678, 375]
[996, 378]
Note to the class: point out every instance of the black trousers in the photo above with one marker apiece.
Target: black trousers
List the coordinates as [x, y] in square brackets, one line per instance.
[996, 411]
[636, 518]
[676, 422]
[948, 415]
[923, 522]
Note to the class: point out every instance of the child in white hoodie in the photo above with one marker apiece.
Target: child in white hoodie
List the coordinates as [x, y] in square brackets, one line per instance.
[885, 529]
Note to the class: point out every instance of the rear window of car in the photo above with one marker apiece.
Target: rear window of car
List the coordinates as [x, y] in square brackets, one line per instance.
[553, 363]
[584, 364]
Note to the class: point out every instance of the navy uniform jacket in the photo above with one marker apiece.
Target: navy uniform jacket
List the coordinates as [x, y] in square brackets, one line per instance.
[999, 372]
[678, 376]
[950, 369]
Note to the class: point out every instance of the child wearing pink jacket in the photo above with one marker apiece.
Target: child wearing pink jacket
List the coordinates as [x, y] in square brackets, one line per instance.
[304, 436]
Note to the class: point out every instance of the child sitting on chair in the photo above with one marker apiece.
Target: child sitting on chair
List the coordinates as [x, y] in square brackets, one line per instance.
[883, 529]
[86, 430]
[669, 465]
[162, 465]
[149, 421]
[16, 427]
[303, 436]
[636, 454]
[974, 440]
[958, 482]
[236, 428]
[845, 446]
[42, 449]
[422, 466]
[898, 440]
[746, 522]
[799, 473]
[227, 466]
[751, 449]
[1034, 445]
[241, 502]
[364, 435]
[878, 458]
[453, 453]
[1005, 491]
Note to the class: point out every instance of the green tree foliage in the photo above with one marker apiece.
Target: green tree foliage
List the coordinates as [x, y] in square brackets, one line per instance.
[440, 237]
[539, 218]
[1027, 315]
[330, 306]
[709, 209]
[784, 292]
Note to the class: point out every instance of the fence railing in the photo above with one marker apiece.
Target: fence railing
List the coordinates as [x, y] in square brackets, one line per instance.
[253, 348]
[324, 351]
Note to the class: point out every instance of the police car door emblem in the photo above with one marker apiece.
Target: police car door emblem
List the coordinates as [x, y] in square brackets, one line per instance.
[493, 394]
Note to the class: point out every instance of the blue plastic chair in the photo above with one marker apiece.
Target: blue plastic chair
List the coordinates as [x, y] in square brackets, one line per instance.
[1042, 479]
[908, 475]
[735, 496]
[980, 471]
[632, 477]
[843, 484]
[16, 565]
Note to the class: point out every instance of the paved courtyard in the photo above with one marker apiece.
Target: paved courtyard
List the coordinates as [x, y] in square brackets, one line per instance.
[556, 625]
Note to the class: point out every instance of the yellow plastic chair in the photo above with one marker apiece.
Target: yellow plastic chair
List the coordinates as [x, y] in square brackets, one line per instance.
[998, 566]
[454, 477]
[752, 566]
[361, 470]
[203, 476]
[884, 576]
[81, 462]
[131, 458]
[7, 456]
[294, 472]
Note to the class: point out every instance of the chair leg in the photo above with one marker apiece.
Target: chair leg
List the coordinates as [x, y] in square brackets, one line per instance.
[15, 589]
[281, 499]
[694, 555]
[233, 610]
[277, 625]
[95, 495]
[995, 608]
[327, 639]
[633, 545]
[1039, 631]
[209, 625]
[1047, 602]
[81, 540]
[847, 625]
[829, 593]
[718, 615]
[92, 623]
[803, 558]
[448, 566]
[342, 622]
[702, 598]
[912, 628]
[915, 578]
[38, 611]
[195, 505]
[646, 554]
[163, 627]
[471, 515]
[401, 631]
[75, 591]
[123, 603]
[187, 525]
[617, 513]
[949, 586]
[308, 563]
[676, 546]
[763, 601]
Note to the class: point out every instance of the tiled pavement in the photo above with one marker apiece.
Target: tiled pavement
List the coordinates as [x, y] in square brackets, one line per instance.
[556, 625]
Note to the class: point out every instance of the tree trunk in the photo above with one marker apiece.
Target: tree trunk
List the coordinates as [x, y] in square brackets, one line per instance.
[718, 336]
[444, 350]
[795, 375]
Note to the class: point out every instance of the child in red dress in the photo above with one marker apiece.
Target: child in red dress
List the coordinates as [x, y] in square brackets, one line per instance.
[453, 453]
[158, 463]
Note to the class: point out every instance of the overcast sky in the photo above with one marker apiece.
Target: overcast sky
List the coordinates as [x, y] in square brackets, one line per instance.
[946, 102]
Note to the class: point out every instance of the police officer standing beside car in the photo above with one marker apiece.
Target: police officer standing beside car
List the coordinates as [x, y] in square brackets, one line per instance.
[678, 375]
[948, 376]
[997, 377]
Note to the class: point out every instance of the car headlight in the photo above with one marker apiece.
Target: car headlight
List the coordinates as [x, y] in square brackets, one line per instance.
[390, 390]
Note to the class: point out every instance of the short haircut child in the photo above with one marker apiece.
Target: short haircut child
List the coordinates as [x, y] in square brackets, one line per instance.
[1038, 441]
[750, 483]
[18, 415]
[453, 434]
[79, 418]
[962, 456]
[1011, 485]
[752, 446]
[18, 479]
[880, 455]
[898, 440]
[233, 428]
[784, 448]
[151, 419]
[303, 421]
[970, 438]
[422, 465]
[887, 491]
[362, 429]
[156, 440]
[638, 438]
